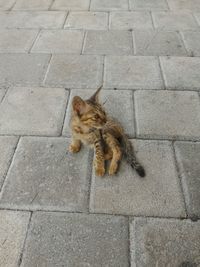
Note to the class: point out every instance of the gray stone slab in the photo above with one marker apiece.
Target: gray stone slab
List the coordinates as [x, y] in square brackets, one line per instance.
[197, 16]
[13, 228]
[164, 242]
[75, 71]
[6, 5]
[184, 4]
[118, 104]
[58, 239]
[111, 5]
[192, 41]
[87, 20]
[32, 19]
[167, 114]
[188, 155]
[149, 4]
[2, 93]
[158, 194]
[181, 72]
[156, 43]
[32, 5]
[130, 20]
[59, 41]
[16, 41]
[71, 5]
[7, 147]
[108, 43]
[174, 20]
[22, 69]
[42, 176]
[131, 72]
[33, 111]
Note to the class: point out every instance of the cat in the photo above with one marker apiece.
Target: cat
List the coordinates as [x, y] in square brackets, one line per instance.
[91, 125]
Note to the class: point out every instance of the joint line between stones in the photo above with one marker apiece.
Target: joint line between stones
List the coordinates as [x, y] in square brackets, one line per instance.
[84, 41]
[66, 108]
[47, 70]
[65, 20]
[134, 114]
[35, 40]
[162, 73]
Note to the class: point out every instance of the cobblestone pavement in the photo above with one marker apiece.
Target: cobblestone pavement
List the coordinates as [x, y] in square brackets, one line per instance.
[54, 211]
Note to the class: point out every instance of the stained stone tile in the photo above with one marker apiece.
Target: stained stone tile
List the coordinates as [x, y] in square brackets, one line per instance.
[87, 20]
[59, 41]
[98, 240]
[7, 147]
[32, 19]
[13, 228]
[149, 4]
[33, 111]
[181, 72]
[6, 5]
[43, 176]
[192, 41]
[32, 4]
[164, 242]
[113, 99]
[103, 5]
[108, 43]
[188, 155]
[17, 41]
[131, 72]
[155, 43]
[184, 4]
[130, 20]
[22, 69]
[75, 71]
[168, 114]
[71, 5]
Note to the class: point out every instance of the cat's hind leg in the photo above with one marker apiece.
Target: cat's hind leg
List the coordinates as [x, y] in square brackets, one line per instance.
[75, 145]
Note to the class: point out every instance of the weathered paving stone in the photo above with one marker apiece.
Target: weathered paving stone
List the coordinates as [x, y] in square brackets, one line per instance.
[131, 72]
[32, 4]
[16, 40]
[98, 240]
[192, 41]
[6, 5]
[174, 20]
[155, 43]
[188, 155]
[149, 4]
[108, 43]
[59, 41]
[33, 111]
[71, 5]
[2, 93]
[113, 99]
[181, 72]
[7, 147]
[22, 69]
[168, 114]
[184, 4]
[197, 16]
[75, 71]
[33, 20]
[43, 176]
[164, 242]
[109, 5]
[130, 20]
[158, 194]
[13, 228]
[87, 20]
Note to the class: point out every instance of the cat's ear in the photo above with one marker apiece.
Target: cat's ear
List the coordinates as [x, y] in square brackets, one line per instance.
[95, 96]
[78, 105]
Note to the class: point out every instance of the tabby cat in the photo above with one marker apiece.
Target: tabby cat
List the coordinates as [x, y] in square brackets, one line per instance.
[92, 126]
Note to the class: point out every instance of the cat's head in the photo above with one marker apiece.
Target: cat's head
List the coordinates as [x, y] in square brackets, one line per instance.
[90, 112]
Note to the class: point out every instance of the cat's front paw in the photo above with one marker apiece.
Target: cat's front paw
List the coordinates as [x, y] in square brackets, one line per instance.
[100, 171]
[113, 169]
[74, 149]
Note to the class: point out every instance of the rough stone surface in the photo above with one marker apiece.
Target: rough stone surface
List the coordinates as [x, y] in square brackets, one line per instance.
[2, 93]
[188, 155]
[184, 4]
[22, 69]
[32, 5]
[192, 41]
[99, 240]
[132, 72]
[33, 111]
[87, 20]
[197, 16]
[166, 114]
[160, 193]
[118, 104]
[60, 181]
[75, 71]
[165, 242]
[109, 5]
[149, 4]
[71, 5]
[13, 227]
[6, 5]
[108, 43]
[181, 72]
[59, 41]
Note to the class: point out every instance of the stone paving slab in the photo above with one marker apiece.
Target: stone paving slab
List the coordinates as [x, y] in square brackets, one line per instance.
[164, 242]
[75, 71]
[59, 182]
[58, 239]
[71, 5]
[108, 5]
[167, 114]
[59, 41]
[32, 19]
[33, 111]
[32, 5]
[22, 69]
[149, 4]
[6, 5]
[118, 104]
[108, 43]
[13, 227]
[188, 155]
[184, 4]
[131, 72]
[192, 41]
[181, 72]
[197, 16]
[158, 194]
